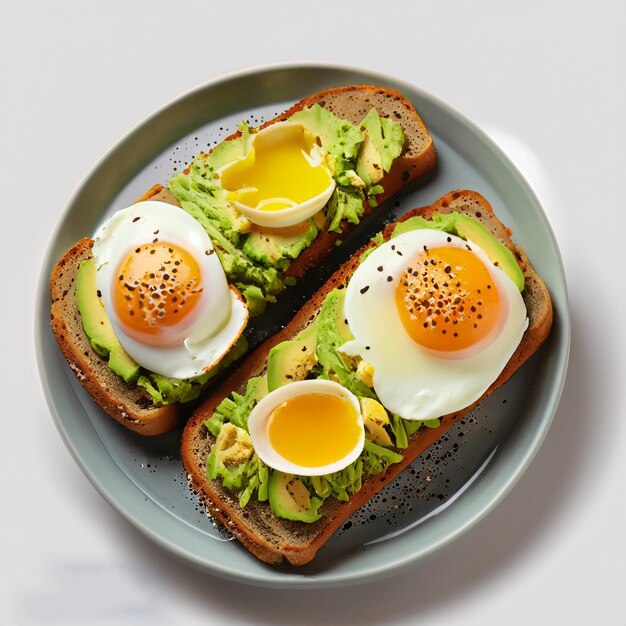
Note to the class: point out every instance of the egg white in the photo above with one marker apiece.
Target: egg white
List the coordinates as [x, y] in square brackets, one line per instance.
[259, 422]
[218, 319]
[410, 380]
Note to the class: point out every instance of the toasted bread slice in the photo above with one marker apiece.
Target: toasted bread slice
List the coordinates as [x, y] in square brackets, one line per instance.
[132, 406]
[128, 404]
[272, 539]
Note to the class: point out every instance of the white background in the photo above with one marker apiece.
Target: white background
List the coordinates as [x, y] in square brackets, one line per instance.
[545, 79]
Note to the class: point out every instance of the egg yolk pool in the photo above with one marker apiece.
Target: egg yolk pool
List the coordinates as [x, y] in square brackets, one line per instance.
[447, 300]
[278, 172]
[158, 286]
[314, 430]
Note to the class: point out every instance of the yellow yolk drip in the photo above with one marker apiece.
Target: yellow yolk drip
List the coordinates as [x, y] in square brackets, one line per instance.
[447, 300]
[157, 286]
[276, 175]
[313, 430]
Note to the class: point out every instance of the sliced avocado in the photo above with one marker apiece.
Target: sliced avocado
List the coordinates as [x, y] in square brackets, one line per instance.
[342, 323]
[383, 143]
[375, 419]
[292, 360]
[261, 389]
[278, 250]
[339, 137]
[230, 150]
[226, 152]
[369, 166]
[499, 254]
[97, 326]
[290, 499]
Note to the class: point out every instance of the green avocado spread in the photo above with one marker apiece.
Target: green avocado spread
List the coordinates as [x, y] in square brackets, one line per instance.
[312, 354]
[253, 260]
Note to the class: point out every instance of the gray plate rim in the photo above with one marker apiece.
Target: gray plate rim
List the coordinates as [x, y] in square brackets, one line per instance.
[485, 501]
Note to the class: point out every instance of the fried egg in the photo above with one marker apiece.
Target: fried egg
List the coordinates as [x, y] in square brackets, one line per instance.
[308, 428]
[283, 179]
[436, 319]
[164, 290]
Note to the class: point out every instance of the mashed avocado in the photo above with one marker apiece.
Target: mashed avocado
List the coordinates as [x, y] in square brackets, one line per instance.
[307, 493]
[254, 261]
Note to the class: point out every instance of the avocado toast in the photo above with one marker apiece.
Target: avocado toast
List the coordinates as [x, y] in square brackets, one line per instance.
[288, 517]
[259, 262]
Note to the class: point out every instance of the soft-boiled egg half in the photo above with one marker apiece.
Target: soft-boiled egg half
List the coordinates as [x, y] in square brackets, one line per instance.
[308, 428]
[164, 290]
[436, 319]
[283, 179]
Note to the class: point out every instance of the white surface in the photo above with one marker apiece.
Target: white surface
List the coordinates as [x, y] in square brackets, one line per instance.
[545, 79]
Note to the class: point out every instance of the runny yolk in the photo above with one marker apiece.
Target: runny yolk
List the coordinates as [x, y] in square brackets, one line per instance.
[157, 287]
[276, 174]
[447, 300]
[313, 430]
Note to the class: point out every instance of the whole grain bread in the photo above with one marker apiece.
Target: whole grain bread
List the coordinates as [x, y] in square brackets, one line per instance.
[132, 406]
[273, 539]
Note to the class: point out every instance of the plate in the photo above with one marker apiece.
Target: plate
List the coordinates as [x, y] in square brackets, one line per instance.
[450, 487]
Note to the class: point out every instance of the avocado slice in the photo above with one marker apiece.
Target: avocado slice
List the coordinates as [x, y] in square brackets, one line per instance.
[499, 254]
[290, 499]
[383, 143]
[340, 318]
[277, 250]
[369, 167]
[292, 360]
[375, 419]
[226, 152]
[97, 326]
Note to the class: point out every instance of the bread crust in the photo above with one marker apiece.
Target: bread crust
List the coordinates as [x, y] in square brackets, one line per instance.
[298, 542]
[133, 406]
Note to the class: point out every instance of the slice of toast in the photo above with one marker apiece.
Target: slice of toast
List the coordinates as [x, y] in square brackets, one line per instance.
[273, 539]
[132, 406]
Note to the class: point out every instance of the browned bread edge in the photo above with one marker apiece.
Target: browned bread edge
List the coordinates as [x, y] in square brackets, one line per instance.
[128, 404]
[133, 407]
[352, 103]
[197, 440]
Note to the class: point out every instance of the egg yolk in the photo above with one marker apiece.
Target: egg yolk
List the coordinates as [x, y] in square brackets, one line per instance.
[276, 175]
[313, 430]
[158, 285]
[447, 300]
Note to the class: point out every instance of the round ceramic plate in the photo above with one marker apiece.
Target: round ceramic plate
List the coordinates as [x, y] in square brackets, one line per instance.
[449, 488]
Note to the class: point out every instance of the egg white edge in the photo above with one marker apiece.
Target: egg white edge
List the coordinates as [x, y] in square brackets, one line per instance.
[201, 355]
[258, 426]
[389, 389]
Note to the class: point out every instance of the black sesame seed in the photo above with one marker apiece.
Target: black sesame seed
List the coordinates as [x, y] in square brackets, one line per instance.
[364, 289]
